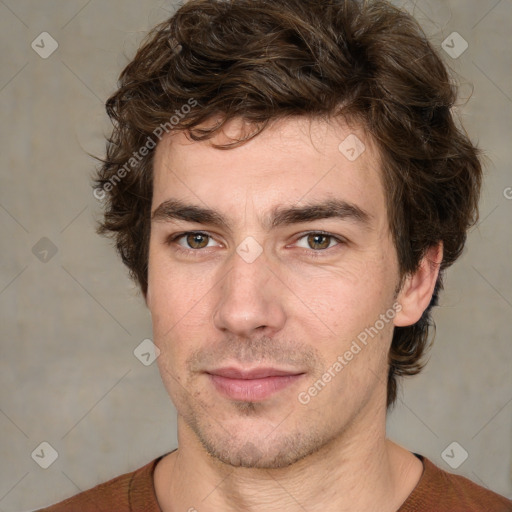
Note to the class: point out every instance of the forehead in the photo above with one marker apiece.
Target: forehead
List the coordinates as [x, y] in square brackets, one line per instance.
[292, 160]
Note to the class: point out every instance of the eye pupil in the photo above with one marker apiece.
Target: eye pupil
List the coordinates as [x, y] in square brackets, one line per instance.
[316, 240]
[197, 241]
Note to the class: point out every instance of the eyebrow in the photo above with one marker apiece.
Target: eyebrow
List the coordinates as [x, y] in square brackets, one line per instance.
[174, 209]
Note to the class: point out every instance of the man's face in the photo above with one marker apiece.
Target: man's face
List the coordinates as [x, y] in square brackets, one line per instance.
[252, 314]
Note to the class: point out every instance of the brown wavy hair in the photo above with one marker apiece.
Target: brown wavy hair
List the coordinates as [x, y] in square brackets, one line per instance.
[262, 60]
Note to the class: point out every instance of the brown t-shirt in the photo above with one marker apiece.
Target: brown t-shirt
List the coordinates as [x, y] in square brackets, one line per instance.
[437, 491]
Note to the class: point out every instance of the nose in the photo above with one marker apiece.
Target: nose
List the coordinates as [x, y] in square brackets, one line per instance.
[250, 299]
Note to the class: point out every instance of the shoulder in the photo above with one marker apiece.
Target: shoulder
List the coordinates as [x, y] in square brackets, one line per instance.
[445, 492]
[126, 492]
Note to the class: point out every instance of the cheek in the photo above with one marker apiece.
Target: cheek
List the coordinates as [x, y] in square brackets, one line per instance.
[178, 301]
[345, 298]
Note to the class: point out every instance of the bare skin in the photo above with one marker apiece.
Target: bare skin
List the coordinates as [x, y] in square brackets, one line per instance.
[292, 299]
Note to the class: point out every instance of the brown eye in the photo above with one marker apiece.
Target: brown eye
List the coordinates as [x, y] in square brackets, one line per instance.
[318, 241]
[197, 240]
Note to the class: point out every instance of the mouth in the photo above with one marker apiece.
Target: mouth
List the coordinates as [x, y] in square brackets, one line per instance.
[254, 385]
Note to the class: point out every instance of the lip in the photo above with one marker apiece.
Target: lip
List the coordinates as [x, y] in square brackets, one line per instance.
[254, 385]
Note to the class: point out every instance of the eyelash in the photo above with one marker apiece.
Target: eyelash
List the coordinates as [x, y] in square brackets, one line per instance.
[197, 252]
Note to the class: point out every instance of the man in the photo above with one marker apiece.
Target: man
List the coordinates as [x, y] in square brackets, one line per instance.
[286, 183]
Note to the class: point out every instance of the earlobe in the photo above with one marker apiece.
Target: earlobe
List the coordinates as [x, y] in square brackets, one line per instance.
[416, 292]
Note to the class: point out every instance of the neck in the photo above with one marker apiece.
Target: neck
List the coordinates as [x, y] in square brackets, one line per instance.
[357, 471]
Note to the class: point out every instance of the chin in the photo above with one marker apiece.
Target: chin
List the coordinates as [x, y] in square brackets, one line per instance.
[268, 452]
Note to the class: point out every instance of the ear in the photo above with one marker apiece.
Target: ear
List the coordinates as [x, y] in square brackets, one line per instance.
[417, 289]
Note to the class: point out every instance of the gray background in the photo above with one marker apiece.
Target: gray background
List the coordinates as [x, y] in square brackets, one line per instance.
[69, 325]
